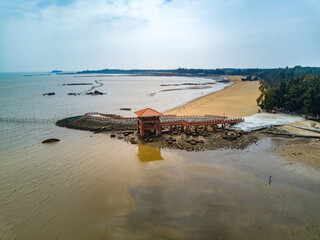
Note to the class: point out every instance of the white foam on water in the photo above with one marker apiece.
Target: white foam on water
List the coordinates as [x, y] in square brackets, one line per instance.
[263, 120]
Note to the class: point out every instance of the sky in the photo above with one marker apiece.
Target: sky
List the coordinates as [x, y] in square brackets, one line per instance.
[69, 35]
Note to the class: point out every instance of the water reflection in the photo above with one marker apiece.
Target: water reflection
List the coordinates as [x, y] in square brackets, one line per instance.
[147, 153]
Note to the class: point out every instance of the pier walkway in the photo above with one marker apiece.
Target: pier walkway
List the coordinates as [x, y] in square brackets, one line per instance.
[185, 123]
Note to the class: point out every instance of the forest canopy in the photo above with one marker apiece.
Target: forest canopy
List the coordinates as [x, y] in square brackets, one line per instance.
[294, 90]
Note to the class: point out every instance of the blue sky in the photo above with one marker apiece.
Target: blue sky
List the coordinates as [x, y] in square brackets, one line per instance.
[41, 35]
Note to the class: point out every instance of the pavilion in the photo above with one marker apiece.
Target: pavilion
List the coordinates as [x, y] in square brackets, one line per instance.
[148, 120]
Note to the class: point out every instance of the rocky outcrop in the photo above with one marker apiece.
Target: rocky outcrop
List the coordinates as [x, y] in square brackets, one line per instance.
[49, 94]
[96, 92]
[51, 140]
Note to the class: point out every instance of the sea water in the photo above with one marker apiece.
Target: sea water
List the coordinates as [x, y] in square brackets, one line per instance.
[68, 189]
[21, 94]
[89, 186]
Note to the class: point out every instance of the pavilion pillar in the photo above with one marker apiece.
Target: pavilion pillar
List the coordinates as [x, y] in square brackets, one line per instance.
[159, 129]
[138, 127]
[142, 132]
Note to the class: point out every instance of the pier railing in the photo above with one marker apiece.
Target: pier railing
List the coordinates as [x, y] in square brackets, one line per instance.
[26, 120]
[167, 120]
[109, 118]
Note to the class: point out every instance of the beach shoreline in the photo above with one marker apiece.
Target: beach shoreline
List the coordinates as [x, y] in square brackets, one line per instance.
[236, 100]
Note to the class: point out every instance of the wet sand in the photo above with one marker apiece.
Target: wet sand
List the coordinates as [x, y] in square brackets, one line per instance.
[223, 195]
[237, 100]
[301, 149]
[93, 187]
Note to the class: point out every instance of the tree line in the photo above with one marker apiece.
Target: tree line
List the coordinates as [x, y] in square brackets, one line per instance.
[295, 90]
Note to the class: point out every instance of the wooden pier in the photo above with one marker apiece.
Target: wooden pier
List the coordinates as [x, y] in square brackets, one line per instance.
[157, 122]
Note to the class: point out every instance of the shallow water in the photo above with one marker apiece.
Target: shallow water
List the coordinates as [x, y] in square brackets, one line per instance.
[225, 194]
[89, 186]
[21, 94]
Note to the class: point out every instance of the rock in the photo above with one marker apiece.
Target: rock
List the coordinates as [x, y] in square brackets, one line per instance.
[76, 84]
[201, 141]
[173, 140]
[193, 142]
[99, 130]
[112, 135]
[133, 141]
[195, 134]
[229, 137]
[96, 92]
[49, 94]
[151, 140]
[51, 140]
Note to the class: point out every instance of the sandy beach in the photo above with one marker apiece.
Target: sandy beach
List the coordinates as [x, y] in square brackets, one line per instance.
[237, 100]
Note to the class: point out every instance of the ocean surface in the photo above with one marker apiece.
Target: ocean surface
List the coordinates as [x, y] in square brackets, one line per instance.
[89, 186]
[21, 95]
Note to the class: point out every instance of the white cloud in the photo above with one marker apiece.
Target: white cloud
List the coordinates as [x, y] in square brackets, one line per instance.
[153, 33]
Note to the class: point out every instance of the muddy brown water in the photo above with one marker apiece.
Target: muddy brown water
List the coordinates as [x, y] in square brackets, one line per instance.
[93, 187]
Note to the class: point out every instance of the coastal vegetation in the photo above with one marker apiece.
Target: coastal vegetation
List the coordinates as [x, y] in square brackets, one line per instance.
[294, 90]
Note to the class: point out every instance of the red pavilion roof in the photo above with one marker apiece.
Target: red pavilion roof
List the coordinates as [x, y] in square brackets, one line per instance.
[148, 112]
